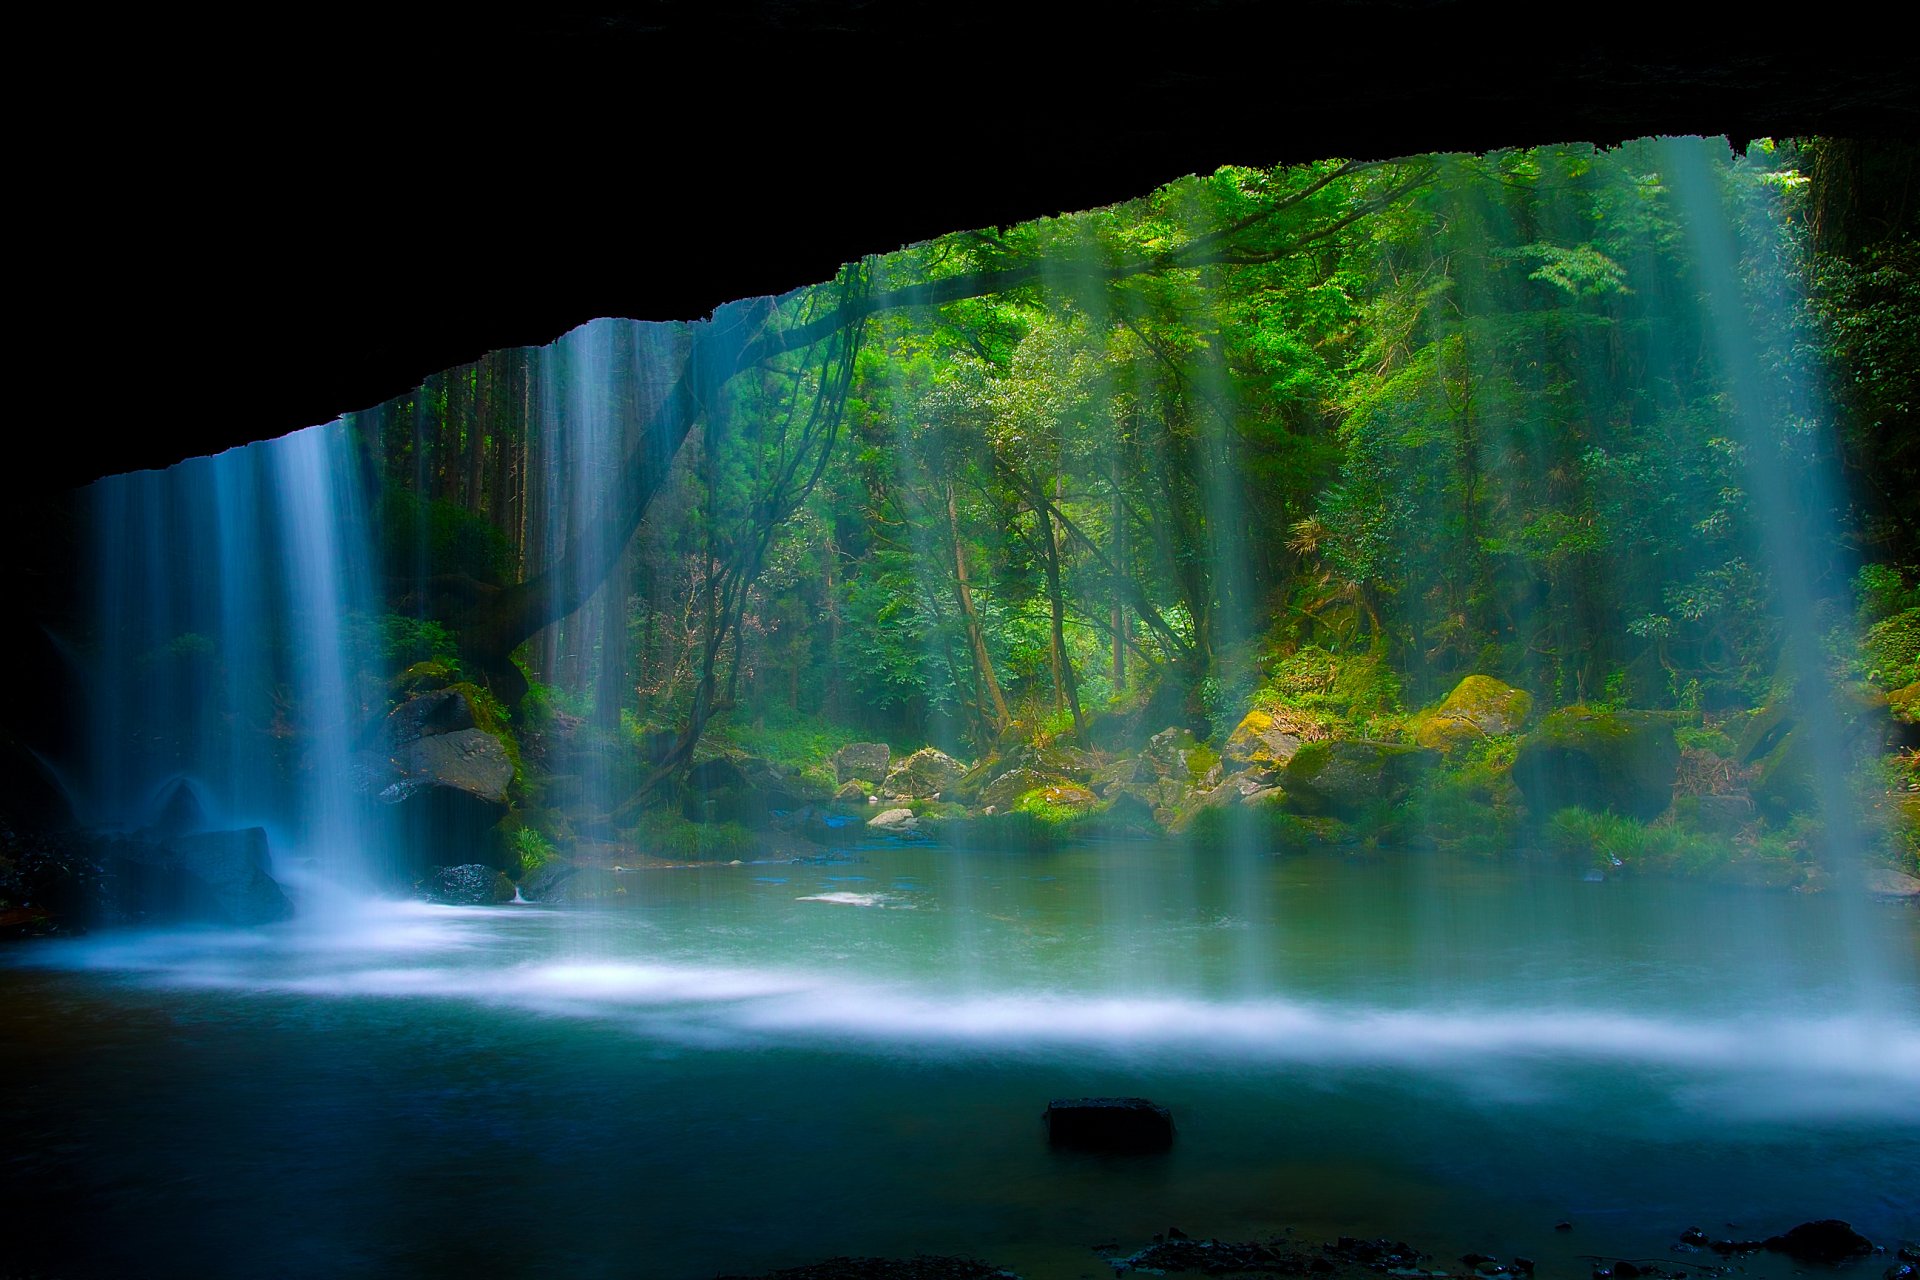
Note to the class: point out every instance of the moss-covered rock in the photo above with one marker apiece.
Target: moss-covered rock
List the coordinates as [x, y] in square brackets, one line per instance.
[927, 772]
[1261, 744]
[1479, 707]
[854, 791]
[1904, 704]
[1005, 791]
[1621, 762]
[1347, 779]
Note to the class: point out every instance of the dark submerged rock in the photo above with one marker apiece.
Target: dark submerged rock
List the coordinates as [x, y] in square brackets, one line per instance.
[1109, 1124]
[1827, 1240]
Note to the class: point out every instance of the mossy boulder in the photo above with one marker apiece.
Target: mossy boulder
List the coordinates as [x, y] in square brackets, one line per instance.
[861, 760]
[1479, 707]
[1124, 816]
[1622, 762]
[854, 791]
[1004, 791]
[927, 772]
[1261, 744]
[1904, 704]
[1348, 779]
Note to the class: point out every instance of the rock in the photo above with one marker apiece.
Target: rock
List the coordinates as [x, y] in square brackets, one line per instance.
[1695, 1237]
[1904, 704]
[1260, 745]
[1901, 1271]
[1109, 1124]
[1885, 882]
[426, 715]
[1622, 761]
[1054, 758]
[1125, 815]
[717, 773]
[214, 875]
[1347, 778]
[926, 772]
[546, 882]
[1166, 754]
[1828, 1240]
[894, 820]
[432, 741]
[180, 811]
[1128, 771]
[1479, 707]
[470, 761]
[854, 792]
[861, 760]
[1067, 795]
[1004, 790]
[471, 885]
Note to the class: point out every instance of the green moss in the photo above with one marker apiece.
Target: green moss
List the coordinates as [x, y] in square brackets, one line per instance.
[1200, 762]
[1891, 650]
[1057, 806]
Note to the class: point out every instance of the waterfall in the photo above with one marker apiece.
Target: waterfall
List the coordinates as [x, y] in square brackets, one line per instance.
[234, 628]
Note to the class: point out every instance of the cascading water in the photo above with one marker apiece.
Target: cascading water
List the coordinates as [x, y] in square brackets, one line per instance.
[235, 596]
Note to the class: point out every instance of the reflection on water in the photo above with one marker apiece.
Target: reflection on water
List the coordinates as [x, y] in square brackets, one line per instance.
[1464, 1054]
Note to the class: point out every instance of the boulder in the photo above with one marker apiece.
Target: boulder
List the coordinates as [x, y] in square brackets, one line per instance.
[1826, 1241]
[861, 760]
[1621, 761]
[895, 821]
[1166, 754]
[1479, 707]
[428, 714]
[854, 792]
[1004, 790]
[1124, 816]
[1904, 704]
[471, 885]
[1127, 771]
[1058, 759]
[1128, 1125]
[432, 741]
[217, 876]
[471, 761]
[1885, 882]
[1346, 778]
[179, 811]
[1261, 744]
[927, 772]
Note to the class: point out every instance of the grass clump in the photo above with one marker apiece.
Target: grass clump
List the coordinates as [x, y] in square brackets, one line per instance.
[666, 834]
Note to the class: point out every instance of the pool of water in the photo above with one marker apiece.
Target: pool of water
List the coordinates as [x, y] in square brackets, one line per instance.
[734, 1068]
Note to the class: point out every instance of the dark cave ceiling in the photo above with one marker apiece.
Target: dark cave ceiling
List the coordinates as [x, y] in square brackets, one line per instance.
[237, 230]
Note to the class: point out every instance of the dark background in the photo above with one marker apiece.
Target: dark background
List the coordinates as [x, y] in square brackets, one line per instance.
[239, 229]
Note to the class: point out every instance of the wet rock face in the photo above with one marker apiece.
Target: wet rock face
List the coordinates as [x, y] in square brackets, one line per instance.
[431, 742]
[861, 761]
[1621, 761]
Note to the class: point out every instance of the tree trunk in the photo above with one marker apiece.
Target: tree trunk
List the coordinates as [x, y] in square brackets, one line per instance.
[993, 712]
[1063, 681]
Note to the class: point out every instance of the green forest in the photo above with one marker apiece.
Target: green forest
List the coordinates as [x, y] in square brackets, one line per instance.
[1422, 503]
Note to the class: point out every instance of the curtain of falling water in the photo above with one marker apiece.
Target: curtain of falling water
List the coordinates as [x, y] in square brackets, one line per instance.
[233, 618]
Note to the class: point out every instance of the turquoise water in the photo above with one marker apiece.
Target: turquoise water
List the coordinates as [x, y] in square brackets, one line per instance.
[733, 1068]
